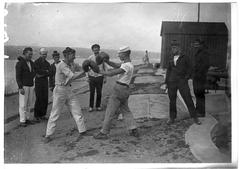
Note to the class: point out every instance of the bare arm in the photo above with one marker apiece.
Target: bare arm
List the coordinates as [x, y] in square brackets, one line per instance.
[113, 72]
[113, 64]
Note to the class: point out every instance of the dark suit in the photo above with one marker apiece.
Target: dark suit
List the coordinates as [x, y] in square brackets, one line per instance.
[200, 70]
[177, 79]
[41, 87]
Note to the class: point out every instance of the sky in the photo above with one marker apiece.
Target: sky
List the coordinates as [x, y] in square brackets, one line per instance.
[112, 25]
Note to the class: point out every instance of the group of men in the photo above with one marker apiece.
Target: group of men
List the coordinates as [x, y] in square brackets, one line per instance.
[179, 71]
[62, 73]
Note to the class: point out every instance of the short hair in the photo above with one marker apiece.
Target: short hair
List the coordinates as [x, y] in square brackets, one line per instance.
[25, 50]
[95, 46]
[68, 50]
[55, 53]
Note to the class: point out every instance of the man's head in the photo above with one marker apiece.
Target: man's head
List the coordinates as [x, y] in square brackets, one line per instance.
[43, 53]
[95, 48]
[175, 47]
[198, 43]
[56, 56]
[69, 54]
[124, 53]
[27, 53]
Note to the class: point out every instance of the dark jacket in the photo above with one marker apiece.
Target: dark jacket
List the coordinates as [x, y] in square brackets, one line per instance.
[42, 68]
[182, 70]
[201, 64]
[24, 76]
[52, 74]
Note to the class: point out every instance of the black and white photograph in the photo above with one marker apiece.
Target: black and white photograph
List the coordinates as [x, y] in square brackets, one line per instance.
[119, 83]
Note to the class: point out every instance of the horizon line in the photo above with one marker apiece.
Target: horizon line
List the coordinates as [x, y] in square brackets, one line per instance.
[78, 47]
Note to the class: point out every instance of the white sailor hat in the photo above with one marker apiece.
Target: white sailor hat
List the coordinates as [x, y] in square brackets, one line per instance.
[124, 49]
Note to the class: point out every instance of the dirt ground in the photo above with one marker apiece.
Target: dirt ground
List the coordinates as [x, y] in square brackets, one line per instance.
[158, 142]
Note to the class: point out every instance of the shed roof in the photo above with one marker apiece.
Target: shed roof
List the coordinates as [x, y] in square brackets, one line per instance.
[199, 28]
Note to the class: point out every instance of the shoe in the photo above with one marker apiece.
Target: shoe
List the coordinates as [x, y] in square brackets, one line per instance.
[29, 122]
[196, 121]
[200, 115]
[85, 133]
[134, 133]
[47, 139]
[90, 109]
[99, 109]
[23, 124]
[170, 121]
[101, 136]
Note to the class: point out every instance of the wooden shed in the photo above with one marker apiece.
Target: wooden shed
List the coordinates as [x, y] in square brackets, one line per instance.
[215, 35]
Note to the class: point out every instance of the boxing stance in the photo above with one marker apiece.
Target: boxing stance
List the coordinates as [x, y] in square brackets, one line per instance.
[63, 94]
[118, 102]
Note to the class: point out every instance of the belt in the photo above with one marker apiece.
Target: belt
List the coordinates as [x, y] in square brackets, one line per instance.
[123, 84]
[63, 85]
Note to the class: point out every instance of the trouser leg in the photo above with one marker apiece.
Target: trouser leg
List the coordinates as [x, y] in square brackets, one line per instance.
[99, 84]
[74, 106]
[112, 107]
[172, 94]
[127, 115]
[37, 106]
[186, 95]
[23, 99]
[59, 99]
[29, 100]
[199, 91]
[44, 98]
[92, 91]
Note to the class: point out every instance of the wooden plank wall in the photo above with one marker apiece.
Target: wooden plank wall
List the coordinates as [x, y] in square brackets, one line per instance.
[217, 47]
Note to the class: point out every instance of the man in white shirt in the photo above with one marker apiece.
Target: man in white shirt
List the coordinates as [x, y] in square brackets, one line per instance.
[63, 93]
[118, 102]
[96, 80]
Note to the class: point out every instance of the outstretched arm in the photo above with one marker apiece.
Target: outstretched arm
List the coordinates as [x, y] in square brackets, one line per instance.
[113, 64]
[113, 72]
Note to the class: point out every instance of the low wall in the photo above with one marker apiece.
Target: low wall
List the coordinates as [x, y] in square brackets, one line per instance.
[10, 74]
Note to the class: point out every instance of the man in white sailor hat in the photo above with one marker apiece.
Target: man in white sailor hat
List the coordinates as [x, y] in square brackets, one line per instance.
[118, 101]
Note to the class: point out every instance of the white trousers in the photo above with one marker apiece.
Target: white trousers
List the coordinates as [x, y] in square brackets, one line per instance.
[26, 103]
[63, 95]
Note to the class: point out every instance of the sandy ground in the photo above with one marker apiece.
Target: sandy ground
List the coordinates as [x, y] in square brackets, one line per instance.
[158, 143]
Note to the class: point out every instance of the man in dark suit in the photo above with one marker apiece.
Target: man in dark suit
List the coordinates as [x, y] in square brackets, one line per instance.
[178, 73]
[200, 75]
[25, 74]
[41, 85]
[56, 58]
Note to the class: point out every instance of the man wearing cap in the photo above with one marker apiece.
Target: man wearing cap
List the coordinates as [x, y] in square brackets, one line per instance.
[56, 58]
[25, 73]
[118, 101]
[178, 73]
[41, 85]
[200, 70]
[96, 80]
[63, 93]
